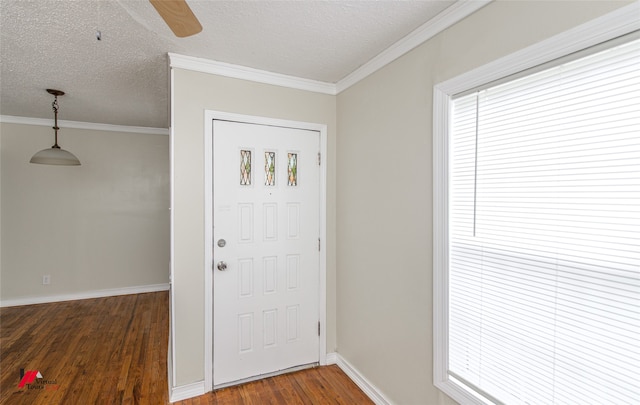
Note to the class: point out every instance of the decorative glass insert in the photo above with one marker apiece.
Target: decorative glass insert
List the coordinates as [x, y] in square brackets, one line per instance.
[269, 168]
[292, 169]
[245, 167]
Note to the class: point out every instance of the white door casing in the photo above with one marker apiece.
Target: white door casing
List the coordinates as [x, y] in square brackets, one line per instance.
[269, 299]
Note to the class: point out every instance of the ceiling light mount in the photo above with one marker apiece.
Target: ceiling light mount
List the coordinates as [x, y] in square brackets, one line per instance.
[55, 155]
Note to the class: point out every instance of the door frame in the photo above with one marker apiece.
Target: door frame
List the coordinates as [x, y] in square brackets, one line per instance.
[209, 117]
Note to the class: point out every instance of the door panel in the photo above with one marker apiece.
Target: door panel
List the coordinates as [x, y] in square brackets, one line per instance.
[266, 209]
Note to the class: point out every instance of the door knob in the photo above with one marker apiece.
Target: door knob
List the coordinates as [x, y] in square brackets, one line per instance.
[222, 266]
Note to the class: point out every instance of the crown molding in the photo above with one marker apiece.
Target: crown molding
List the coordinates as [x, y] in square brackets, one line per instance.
[10, 119]
[428, 30]
[247, 73]
[442, 21]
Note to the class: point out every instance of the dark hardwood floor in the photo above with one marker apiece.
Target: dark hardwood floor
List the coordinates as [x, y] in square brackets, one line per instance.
[114, 351]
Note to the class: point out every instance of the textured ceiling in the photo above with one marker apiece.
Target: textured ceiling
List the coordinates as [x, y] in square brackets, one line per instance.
[123, 78]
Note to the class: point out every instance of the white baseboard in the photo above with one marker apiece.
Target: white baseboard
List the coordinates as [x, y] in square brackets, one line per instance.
[183, 392]
[196, 389]
[85, 295]
[365, 385]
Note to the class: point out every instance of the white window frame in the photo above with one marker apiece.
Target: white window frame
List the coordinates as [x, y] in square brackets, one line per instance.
[615, 24]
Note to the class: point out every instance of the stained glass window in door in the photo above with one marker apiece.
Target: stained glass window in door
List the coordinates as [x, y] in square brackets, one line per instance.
[269, 168]
[292, 169]
[245, 167]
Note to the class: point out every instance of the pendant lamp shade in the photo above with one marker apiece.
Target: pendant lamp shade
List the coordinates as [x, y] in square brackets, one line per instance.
[55, 155]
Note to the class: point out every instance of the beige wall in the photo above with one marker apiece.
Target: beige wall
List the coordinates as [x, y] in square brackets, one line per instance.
[102, 225]
[193, 94]
[384, 256]
[105, 225]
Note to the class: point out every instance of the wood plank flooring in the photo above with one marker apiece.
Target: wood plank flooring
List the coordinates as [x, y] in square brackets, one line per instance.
[114, 351]
[320, 385]
[106, 350]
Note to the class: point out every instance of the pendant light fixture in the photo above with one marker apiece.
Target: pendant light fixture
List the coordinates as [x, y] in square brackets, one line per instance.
[55, 155]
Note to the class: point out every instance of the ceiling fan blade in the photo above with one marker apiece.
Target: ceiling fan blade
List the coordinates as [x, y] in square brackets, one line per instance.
[178, 16]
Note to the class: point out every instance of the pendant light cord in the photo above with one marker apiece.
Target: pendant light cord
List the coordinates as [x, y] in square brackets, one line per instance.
[54, 105]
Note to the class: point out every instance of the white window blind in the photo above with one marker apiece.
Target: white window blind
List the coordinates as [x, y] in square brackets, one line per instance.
[544, 235]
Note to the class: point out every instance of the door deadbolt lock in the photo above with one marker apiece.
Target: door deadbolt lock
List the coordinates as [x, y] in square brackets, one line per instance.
[222, 266]
[222, 243]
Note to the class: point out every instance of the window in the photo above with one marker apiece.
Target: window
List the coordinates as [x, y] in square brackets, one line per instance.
[537, 283]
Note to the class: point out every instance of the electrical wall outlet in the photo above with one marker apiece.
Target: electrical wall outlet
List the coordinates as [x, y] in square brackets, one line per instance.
[46, 279]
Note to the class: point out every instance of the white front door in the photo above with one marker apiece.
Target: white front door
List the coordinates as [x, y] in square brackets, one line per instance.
[266, 224]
